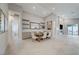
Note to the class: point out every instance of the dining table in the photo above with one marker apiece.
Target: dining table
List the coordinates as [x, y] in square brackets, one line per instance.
[39, 35]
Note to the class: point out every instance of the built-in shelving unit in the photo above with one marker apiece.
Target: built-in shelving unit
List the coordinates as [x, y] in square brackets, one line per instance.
[0, 24]
[42, 25]
[25, 24]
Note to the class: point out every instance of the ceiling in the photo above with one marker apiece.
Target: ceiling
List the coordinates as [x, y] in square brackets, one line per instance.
[44, 9]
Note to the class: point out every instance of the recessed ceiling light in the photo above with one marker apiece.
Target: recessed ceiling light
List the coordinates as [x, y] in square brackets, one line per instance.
[53, 8]
[34, 7]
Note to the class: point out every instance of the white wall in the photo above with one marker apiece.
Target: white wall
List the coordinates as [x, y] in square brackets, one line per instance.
[56, 23]
[32, 18]
[72, 21]
[54, 20]
[3, 36]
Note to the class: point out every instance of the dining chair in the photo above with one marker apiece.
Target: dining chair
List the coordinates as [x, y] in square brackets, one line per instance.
[33, 36]
[45, 35]
[49, 34]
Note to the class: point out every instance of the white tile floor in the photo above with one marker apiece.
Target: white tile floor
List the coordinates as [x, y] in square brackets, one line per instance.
[56, 46]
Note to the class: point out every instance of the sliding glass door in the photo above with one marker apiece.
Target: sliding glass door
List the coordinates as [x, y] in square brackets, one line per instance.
[72, 29]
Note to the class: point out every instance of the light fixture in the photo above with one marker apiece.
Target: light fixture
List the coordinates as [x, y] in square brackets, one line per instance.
[34, 7]
[53, 8]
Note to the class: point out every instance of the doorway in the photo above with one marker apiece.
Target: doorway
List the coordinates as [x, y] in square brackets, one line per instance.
[14, 35]
[15, 28]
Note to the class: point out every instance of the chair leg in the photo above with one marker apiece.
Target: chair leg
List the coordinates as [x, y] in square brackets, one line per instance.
[36, 39]
[41, 38]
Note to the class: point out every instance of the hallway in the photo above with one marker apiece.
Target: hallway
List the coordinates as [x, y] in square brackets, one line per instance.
[58, 46]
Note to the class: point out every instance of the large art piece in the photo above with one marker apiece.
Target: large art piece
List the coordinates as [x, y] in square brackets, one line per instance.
[35, 25]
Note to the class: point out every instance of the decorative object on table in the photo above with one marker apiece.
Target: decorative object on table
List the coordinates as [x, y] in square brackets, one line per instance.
[38, 36]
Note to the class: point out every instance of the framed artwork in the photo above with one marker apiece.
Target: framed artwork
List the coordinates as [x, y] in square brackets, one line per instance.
[35, 25]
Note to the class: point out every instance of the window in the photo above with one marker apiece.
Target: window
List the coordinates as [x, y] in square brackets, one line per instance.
[2, 21]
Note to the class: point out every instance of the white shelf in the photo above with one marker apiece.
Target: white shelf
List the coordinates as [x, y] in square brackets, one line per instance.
[25, 24]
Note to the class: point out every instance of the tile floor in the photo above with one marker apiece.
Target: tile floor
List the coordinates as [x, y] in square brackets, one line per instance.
[65, 45]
